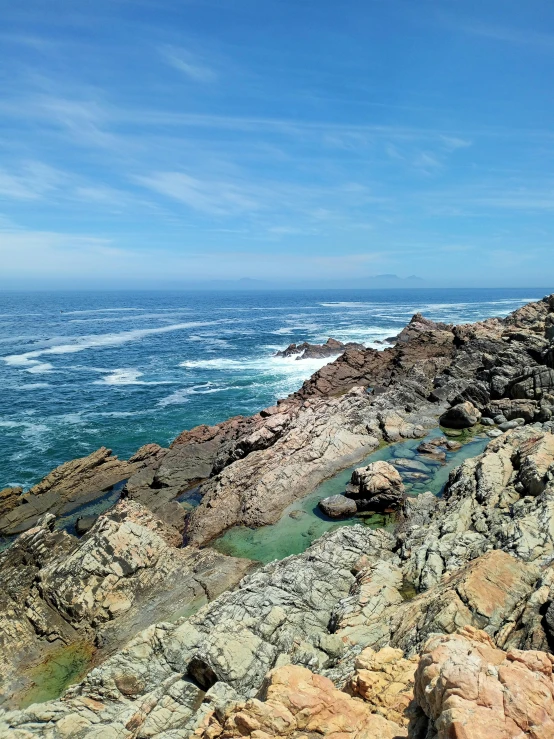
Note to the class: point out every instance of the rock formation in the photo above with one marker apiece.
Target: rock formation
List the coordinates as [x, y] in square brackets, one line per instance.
[442, 627]
[331, 348]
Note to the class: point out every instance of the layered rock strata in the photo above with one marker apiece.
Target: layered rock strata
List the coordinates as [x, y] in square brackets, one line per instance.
[129, 571]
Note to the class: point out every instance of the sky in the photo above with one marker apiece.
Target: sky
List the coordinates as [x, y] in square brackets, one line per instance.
[154, 142]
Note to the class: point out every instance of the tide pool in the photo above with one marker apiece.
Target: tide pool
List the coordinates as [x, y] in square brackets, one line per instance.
[303, 522]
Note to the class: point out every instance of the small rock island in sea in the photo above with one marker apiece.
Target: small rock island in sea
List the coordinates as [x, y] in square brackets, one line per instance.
[425, 611]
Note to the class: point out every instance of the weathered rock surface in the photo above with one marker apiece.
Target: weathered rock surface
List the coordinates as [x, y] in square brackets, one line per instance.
[126, 573]
[278, 615]
[377, 487]
[331, 348]
[468, 688]
[300, 704]
[67, 487]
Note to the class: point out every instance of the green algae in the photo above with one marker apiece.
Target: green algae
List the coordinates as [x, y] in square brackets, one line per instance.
[60, 669]
[302, 522]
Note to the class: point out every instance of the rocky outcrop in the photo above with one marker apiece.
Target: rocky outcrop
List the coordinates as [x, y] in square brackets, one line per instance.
[359, 606]
[68, 487]
[298, 704]
[502, 499]
[126, 573]
[467, 687]
[278, 615]
[331, 348]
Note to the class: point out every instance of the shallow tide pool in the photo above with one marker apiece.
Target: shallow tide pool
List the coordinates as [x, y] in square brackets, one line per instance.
[303, 522]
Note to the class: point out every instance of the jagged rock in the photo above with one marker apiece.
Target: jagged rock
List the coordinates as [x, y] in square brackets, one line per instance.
[461, 416]
[467, 687]
[534, 385]
[331, 348]
[278, 614]
[67, 487]
[338, 506]
[376, 487]
[509, 409]
[126, 573]
[300, 704]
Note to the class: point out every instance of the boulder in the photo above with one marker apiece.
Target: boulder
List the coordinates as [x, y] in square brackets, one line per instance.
[377, 487]
[338, 506]
[461, 416]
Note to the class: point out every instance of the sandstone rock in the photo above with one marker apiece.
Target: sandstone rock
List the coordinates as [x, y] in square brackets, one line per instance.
[338, 506]
[461, 416]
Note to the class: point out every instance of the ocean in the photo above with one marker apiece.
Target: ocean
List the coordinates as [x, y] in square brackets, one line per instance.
[120, 369]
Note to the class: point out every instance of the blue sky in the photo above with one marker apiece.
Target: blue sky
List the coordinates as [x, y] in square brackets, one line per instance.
[144, 141]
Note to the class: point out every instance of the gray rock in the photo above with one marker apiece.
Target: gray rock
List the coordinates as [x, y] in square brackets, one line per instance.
[338, 506]
[84, 524]
[461, 416]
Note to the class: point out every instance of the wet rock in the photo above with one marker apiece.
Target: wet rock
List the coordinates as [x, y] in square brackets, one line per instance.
[331, 348]
[430, 450]
[410, 465]
[461, 416]
[84, 524]
[338, 506]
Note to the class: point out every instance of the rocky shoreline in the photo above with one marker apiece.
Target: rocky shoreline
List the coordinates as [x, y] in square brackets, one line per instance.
[442, 627]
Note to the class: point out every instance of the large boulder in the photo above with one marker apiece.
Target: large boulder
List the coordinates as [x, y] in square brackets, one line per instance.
[460, 416]
[376, 487]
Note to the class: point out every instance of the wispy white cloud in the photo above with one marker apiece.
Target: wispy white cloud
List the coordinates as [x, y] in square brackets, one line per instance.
[539, 40]
[31, 181]
[188, 64]
[215, 197]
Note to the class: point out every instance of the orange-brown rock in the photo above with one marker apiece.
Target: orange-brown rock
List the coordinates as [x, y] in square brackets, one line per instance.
[472, 690]
[385, 680]
[301, 704]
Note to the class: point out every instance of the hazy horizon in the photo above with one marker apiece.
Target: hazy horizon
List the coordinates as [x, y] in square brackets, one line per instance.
[151, 144]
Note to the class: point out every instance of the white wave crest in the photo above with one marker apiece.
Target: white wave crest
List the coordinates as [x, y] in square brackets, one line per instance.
[128, 377]
[26, 360]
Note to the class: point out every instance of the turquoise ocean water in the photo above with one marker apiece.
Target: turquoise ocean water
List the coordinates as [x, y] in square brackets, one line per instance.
[85, 369]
